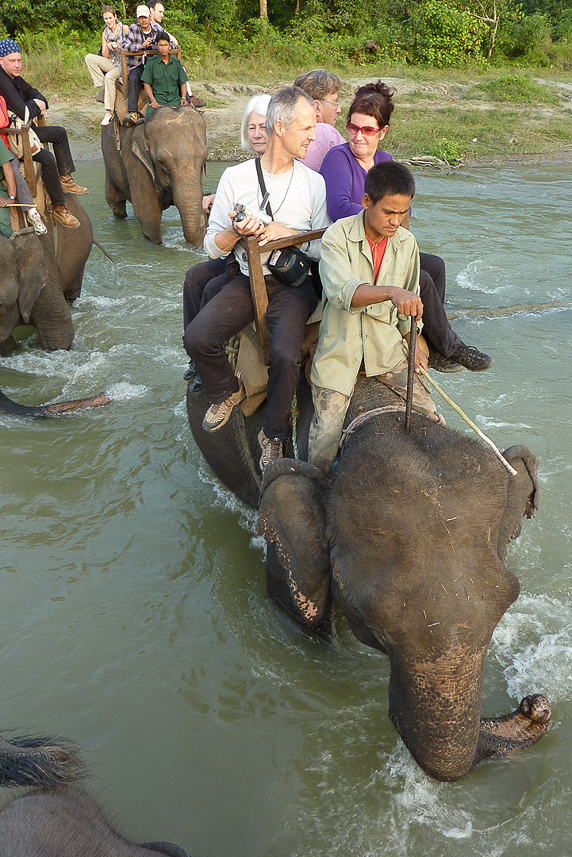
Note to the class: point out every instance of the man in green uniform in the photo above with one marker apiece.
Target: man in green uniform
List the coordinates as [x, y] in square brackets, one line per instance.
[164, 78]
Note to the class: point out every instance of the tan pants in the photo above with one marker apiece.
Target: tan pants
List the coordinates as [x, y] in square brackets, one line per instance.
[103, 73]
[330, 409]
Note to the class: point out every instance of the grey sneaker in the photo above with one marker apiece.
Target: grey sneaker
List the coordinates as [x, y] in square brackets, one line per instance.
[471, 358]
[36, 221]
[218, 415]
[272, 450]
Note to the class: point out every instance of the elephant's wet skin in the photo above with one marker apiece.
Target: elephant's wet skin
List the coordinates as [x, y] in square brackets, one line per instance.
[406, 536]
[57, 818]
[8, 406]
[502, 735]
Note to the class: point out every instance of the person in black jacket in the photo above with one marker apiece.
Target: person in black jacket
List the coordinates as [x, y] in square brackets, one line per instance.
[28, 103]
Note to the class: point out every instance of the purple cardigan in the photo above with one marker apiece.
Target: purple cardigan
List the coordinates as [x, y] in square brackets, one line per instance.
[345, 177]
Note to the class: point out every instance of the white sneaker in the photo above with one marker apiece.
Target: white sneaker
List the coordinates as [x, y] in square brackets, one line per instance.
[108, 118]
[36, 221]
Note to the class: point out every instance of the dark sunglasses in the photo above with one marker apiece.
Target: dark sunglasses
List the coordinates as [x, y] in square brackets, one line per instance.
[367, 130]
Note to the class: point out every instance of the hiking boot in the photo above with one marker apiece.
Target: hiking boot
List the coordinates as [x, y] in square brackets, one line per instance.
[65, 217]
[108, 118]
[219, 414]
[441, 363]
[132, 119]
[196, 102]
[471, 358]
[35, 220]
[272, 450]
[70, 186]
[99, 96]
[191, 371]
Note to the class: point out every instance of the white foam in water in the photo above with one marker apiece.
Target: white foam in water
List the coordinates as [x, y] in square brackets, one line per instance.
[226, 500]
[122, 391]
[482, 420]
[533, 644]
[99, 301]
[475, 276]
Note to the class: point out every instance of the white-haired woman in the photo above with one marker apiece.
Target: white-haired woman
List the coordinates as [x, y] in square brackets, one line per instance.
[253, 138]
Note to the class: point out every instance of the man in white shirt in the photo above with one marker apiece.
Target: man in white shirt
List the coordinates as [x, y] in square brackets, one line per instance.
[298, 203]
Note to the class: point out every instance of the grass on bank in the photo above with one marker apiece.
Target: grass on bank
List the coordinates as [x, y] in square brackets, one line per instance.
[453, 114]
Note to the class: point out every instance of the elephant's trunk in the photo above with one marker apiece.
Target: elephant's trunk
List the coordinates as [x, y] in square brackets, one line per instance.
[189, 203]
[435, 706]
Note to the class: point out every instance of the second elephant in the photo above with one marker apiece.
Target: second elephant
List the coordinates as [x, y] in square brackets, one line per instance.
[157, 164]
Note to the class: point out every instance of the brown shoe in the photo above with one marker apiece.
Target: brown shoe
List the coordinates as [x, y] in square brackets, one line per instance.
[65, 217]
[196, 102]
[134, 118]
[70, 186]
[272, 450]
[218, 415]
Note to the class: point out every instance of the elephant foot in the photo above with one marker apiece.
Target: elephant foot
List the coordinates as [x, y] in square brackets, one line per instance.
[500, 736]
[119, 209]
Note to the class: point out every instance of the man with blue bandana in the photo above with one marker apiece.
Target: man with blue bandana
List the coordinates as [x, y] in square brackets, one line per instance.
[28, 103]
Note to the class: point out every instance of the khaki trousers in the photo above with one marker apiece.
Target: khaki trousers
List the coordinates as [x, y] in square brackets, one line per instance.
[330, 409]
[103, 73]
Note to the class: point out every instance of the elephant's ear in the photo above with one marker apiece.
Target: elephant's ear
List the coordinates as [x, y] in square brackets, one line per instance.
[32, 272]
[292, 520]
[521, 497]
[140, 149]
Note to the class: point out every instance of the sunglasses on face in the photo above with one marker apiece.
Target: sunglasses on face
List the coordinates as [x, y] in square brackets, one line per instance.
[367, 130]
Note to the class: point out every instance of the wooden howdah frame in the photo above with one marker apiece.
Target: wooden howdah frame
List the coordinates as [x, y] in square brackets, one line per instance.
[257, 284]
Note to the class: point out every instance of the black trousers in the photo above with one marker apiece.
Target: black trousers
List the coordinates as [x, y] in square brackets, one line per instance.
[134, 87]
[196, 280]
[225, 315]
[437, 331]
[54, 167]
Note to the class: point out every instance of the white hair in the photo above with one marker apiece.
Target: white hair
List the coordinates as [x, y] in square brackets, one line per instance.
[257, 104]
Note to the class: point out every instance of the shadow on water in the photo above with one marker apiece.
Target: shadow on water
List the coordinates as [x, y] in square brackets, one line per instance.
[134, 609]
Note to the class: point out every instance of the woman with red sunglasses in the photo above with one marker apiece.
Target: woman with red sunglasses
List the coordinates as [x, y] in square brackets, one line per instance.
[344, 169]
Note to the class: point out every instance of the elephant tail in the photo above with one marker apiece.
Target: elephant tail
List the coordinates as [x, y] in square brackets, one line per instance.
[8, 406]
[39, 762]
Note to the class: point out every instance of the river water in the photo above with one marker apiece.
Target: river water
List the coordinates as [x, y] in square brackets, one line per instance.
[133, 606]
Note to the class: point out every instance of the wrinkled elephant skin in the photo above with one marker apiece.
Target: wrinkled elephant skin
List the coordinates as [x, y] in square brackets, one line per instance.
[57, 818]
[31, 292]
[407, 536]
[159, 164]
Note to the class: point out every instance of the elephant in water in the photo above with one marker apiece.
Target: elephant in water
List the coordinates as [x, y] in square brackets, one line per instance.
[157, 164]
[407, 536]
[57, 818]
[38, 275]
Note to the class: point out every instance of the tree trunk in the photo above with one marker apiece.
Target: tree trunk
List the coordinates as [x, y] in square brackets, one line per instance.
[264, 8]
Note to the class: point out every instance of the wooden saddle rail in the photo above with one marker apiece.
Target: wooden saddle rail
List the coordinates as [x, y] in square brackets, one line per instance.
[147, 52]
[29, 174]
[257, 284]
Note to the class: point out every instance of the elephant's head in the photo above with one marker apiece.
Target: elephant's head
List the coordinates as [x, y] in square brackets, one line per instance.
[405, 536]
[172, 147]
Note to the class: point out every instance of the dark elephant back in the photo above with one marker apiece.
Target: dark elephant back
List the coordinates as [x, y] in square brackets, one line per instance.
[233, 452]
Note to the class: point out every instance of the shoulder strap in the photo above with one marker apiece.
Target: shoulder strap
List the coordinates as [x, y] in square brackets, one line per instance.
[263, 186]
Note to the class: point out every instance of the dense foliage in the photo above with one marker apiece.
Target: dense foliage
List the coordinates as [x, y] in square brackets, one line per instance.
[332, 32]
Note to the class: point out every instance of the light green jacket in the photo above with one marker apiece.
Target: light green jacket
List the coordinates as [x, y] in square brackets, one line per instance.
[350, 335]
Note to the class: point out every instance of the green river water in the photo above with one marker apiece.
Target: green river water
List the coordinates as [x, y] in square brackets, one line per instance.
[133, 602]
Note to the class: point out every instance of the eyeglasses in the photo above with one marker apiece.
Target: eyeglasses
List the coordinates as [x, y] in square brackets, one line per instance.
[329, 101]
[367, 130]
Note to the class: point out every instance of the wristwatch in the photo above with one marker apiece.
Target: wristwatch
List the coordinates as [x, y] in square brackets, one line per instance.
[11, 196]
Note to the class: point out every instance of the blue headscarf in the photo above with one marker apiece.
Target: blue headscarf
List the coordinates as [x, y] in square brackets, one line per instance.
[9, 46]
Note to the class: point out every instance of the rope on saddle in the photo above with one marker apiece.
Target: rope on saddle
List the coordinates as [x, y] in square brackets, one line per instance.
[294, 414]
[231, 349]
[367, 415]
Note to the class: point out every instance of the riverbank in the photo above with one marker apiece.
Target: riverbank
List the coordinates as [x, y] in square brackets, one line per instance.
[453, 117]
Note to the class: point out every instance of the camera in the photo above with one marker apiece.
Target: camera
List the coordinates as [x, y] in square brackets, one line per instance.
[242, 212]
